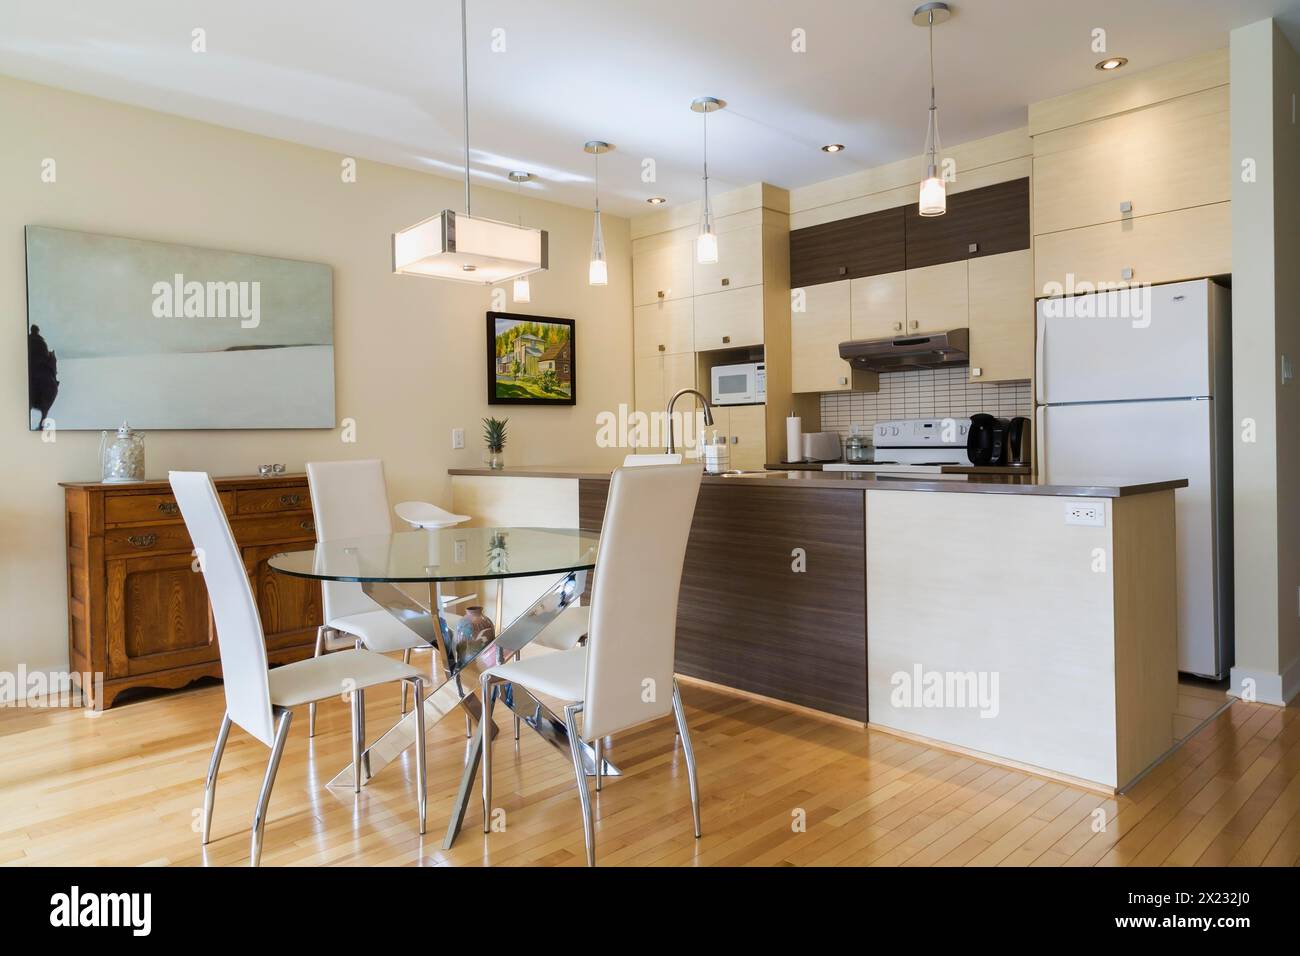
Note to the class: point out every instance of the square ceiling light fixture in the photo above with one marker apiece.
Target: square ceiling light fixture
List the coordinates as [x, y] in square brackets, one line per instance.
[452, 245]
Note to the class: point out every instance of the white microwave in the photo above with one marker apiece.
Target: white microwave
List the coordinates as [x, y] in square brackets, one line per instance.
[740, 384]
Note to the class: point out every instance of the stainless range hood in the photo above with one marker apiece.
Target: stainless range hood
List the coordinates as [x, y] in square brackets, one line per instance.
[933, 350]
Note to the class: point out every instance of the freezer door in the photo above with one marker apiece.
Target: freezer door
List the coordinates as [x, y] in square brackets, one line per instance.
[1127, 442]
[1153, 342]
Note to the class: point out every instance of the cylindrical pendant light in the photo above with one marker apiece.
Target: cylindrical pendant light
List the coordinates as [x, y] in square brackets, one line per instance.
[522, 290]
[706, 243]
[933, 199]
[598, 271]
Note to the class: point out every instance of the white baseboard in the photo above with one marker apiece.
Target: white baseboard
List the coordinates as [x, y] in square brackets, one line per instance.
[1277, 689]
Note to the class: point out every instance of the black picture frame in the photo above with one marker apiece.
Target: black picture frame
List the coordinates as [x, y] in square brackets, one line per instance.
[533, 386]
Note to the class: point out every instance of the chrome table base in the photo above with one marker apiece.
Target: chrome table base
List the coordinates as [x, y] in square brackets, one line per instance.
[465, 664]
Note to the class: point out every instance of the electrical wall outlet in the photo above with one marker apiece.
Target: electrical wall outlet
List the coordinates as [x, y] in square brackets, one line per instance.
[459, 551]
[1089, 513]
[457, 438]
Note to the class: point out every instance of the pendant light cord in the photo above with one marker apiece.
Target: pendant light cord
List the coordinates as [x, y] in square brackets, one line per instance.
[708, 215]
[464, 89]
[934, 120]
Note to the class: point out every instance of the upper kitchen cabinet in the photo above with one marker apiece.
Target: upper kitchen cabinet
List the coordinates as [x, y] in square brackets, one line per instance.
[937, 298]
[819, 322]
[665, 327]
[730, 319]
[979, 222]
[661, 268]
[1132, 179]
[848, 248]
[1168, 156]
[740, 254]
[1001, 317]
[878, 306]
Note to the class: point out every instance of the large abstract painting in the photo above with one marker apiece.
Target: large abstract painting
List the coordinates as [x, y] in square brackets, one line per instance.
[171, 336]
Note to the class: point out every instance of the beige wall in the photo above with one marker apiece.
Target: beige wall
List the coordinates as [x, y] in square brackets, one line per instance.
[409, 352]
[1266, 326]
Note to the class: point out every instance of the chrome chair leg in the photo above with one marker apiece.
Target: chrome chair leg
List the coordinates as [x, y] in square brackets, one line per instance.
[311, 708]
[680, 713]
[421, 765]
[575, 748]
[488, 686]
[358, 736]
[264, 798]
[600, 760]
[210, 788]
[406, 659]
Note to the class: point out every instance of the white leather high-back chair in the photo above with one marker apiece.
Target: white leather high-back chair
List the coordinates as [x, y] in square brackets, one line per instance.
[636, 461]
[349, 499]
[257, 699]
[623, 676]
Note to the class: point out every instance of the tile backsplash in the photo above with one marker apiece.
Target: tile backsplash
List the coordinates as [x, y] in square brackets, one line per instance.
[923, 393]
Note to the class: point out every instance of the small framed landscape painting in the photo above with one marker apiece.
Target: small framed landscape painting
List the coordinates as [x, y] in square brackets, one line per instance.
[531, 360]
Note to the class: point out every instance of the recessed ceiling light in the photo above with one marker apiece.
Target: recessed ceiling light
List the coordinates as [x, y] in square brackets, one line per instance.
[1112, 63]
[832, 147]
[656, 200]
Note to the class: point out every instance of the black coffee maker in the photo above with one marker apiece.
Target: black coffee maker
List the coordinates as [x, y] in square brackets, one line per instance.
[998, 441]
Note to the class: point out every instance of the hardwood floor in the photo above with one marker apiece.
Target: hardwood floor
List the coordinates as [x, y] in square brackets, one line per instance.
[126, 788]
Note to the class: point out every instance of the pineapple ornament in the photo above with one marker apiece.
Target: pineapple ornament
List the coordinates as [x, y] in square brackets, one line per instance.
[494, 436]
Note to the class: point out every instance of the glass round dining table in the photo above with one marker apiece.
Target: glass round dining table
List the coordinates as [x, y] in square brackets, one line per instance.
[404, 574]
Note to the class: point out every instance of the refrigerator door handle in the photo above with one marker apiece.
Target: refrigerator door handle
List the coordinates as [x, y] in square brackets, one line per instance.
[1039, 343]
[1040, 441]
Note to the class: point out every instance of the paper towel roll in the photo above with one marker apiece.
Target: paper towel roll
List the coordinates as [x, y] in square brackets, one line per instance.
[794, 438]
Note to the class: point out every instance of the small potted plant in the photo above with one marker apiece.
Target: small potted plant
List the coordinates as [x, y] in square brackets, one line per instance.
[494, 436]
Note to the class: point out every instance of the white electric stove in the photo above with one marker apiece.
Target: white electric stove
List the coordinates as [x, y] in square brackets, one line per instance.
[915, 446]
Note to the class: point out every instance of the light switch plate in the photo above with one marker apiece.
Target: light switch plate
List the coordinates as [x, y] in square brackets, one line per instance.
[460, 552]
[457, 438]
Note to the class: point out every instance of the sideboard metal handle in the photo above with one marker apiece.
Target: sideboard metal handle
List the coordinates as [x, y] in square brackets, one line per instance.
[290, 500]
[169, 507]
[307, 524]
[142, 540]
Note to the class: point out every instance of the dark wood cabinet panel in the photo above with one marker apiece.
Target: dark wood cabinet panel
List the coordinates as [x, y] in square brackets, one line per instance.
[848, 248]
[746, 618]
[994, 219]
[138, 612]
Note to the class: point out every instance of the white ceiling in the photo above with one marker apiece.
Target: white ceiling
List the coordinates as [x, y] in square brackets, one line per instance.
[381, 79]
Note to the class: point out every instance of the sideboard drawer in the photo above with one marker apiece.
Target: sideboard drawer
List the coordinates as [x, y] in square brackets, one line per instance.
[124, 509]
[261, 501]
[287, 527]
[147, 539]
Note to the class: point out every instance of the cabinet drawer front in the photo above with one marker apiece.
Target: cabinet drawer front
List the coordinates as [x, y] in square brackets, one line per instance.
[261, 501]
[662, 273]
[1187, 244]
[123, 509]
[663, 328]
[1173, 155]
[287, 527]
[732, 319]
[740, 261]
[147, 539]
[815, 337]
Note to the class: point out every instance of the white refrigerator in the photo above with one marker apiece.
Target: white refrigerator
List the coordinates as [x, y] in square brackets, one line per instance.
[1134, 386]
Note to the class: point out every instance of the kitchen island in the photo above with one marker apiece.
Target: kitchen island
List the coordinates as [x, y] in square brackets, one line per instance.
[1025, 622]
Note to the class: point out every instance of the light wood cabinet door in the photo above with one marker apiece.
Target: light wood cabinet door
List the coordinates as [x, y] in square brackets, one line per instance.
[648, 383]
[662, 272]
[937, 298]
[1173, 155]
[728, 320]
[679, 373]
[815, 337]
[663, 327]
[747, 427]
[740, 260]
[1001, 317]
[1186, 244]
[878, 306]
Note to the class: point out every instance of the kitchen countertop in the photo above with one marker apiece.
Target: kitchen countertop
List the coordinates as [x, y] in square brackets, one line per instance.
[1089, 486]
[945, 469]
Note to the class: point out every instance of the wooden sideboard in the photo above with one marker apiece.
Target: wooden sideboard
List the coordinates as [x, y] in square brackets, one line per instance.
[137, 608]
